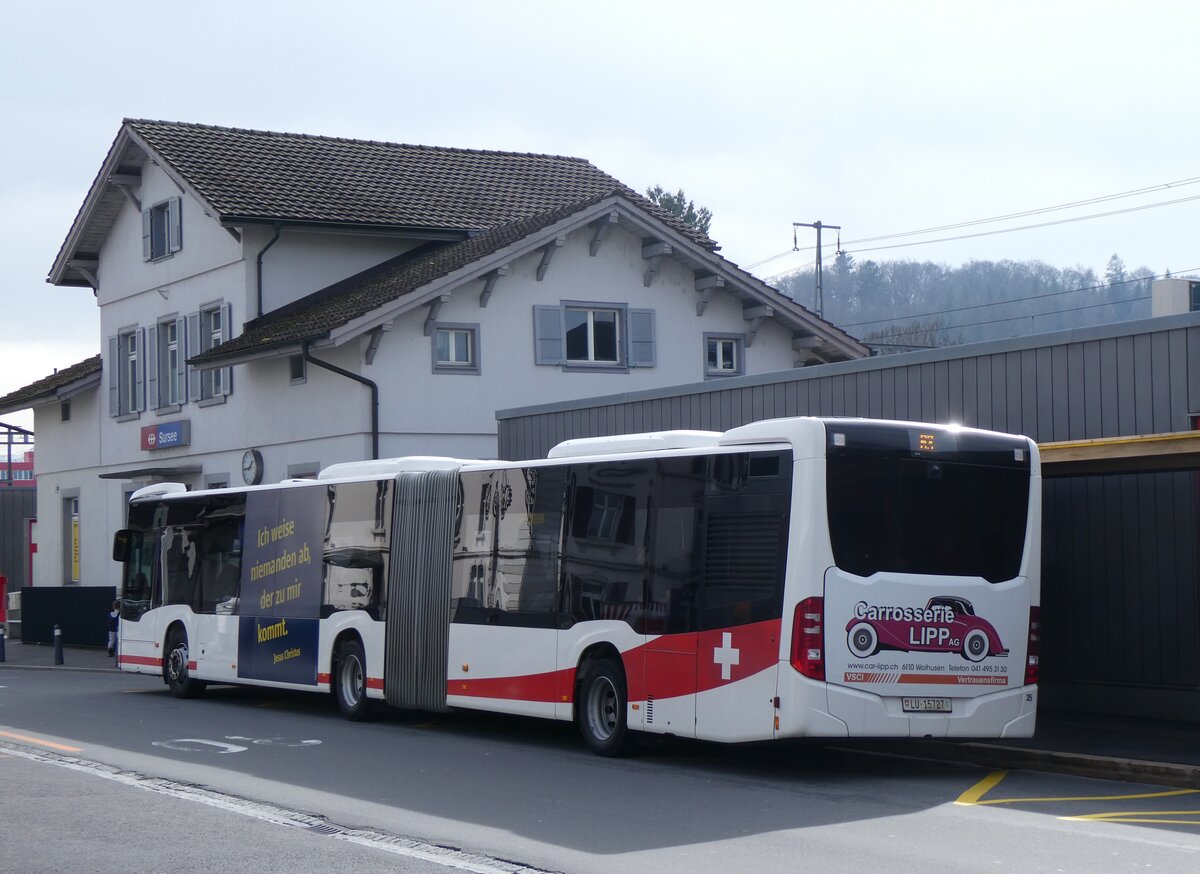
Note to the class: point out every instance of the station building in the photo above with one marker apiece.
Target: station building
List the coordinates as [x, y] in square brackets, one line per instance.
[274, 303]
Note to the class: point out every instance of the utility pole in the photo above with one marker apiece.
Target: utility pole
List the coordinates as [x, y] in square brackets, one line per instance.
[819, 291]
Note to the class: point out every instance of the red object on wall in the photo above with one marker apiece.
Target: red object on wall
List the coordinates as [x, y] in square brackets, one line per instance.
[3, 598]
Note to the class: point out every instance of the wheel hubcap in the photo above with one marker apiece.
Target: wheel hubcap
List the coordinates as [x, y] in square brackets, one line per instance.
[352, 680]
[602, 708]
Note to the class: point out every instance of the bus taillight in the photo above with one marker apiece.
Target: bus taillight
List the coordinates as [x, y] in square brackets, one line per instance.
[808, 638]
[1033, 654]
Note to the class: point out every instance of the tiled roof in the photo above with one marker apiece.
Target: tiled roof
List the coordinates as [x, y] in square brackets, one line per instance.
[48, 386]
[374, 288]
[267, 176]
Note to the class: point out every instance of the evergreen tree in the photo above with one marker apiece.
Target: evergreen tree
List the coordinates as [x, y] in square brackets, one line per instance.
[678, 205]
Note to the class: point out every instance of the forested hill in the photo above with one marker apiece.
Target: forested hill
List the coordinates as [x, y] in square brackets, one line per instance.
[901, 305]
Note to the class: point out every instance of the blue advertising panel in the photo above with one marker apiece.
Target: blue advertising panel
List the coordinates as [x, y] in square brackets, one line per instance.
[282, 650]
[282, 576]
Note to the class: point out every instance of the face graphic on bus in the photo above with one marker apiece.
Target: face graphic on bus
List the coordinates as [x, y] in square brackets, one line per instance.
[946, 624]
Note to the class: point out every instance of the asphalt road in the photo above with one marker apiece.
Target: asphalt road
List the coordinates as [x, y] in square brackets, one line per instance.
[250, 779]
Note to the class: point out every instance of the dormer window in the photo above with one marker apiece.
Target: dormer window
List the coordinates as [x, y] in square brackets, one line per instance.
[161, 230]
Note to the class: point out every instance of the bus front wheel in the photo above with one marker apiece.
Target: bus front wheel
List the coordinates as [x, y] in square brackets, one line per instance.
[602, 708]
[350, 680]
[175, 667]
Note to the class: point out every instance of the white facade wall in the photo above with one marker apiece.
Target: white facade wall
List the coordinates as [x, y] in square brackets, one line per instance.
[301, 426]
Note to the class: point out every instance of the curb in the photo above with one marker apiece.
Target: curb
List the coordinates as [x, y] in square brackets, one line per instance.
[63, 667]
[1078, 764]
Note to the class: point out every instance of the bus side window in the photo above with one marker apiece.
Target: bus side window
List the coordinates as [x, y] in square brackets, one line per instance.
[221, 566]
[357, 545]
[675, 545]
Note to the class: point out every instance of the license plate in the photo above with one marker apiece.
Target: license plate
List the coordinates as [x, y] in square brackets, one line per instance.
[925, 705]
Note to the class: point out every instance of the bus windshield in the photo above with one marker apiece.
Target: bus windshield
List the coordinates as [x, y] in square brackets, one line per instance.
[934, 502]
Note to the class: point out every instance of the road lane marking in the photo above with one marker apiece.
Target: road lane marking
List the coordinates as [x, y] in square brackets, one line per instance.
[397, 845]
[1139, 816]
[980, 789]
[42, 743]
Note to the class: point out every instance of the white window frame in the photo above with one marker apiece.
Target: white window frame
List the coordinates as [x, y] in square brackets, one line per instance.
[737, 345]
[126, 367]
[162, 229]
[590, 312]
[451, 364]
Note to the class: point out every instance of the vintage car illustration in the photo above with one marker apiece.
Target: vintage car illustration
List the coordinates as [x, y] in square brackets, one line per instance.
[946, 624]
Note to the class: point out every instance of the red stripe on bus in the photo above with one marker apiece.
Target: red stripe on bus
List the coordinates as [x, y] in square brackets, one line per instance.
[141, 660]
[954, 679]
[374, 682]
[324, 678]
[549, 687]
[668, 666]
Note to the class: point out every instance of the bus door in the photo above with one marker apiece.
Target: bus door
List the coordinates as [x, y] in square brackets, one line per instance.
[136, 649]
[220, 559]
[668, 690]
[504, 591]
[743, 541]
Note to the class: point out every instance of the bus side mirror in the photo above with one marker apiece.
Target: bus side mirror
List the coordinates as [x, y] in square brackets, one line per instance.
[122, 541]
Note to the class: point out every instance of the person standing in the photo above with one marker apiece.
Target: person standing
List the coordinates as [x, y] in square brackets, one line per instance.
[114, 617]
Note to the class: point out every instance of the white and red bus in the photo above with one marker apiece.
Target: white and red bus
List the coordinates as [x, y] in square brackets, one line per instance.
[791, 577]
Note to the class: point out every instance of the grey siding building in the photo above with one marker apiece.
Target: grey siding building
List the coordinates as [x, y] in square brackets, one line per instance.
[1121, 568]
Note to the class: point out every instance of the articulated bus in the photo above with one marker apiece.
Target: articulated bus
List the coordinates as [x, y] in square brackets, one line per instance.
[787, 578]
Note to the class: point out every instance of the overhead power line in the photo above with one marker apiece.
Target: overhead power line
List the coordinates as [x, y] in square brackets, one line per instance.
[1008, 217]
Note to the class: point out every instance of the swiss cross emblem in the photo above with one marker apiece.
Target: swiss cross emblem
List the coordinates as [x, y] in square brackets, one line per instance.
[726, 655]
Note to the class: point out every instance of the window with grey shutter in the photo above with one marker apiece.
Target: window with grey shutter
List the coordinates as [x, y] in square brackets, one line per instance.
[641, 338]
[174, 224]
[147, 226]
[193, 348]
[139, 388]
[153, 397]
[547, 335]
[227, 334]
[113, 363]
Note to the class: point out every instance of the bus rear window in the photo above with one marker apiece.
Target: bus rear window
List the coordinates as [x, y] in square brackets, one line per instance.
[891, 511]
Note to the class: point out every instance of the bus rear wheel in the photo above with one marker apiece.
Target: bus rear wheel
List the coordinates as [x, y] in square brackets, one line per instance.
[350, 680]
[602, 708]
[175, 667]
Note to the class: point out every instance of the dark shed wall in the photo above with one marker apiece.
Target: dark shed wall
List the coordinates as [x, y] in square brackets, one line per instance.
[16, 505]
[1121, 564]
[1115, 380]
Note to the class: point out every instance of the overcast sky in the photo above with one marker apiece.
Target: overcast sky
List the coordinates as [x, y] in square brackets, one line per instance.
[881, 117]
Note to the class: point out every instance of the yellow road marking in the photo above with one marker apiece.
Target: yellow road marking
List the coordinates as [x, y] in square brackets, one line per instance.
[980, 789]
[41, 743]
[1167, 794]
[1120, 814]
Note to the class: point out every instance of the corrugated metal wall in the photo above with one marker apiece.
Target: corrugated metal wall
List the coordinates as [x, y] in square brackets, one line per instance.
[1121, 561]
[16, 505]
[1133, 378]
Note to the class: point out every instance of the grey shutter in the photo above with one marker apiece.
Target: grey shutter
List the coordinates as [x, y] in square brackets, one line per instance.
[193, 348]
[146, 223]
[114, 378]
[641, 338]
[139, 369]
[181, 368]
[153, 401]
[226, 334]
[547, 335]
[174, 224]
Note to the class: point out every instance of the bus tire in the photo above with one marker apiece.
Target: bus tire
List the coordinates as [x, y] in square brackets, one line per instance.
[602, 705]
[350, 680]
[862, 640]
[175, 667]
[976, 645]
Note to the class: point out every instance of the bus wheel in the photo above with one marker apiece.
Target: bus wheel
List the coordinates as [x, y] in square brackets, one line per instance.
[350, 680]
[175, 667]
[976, 645]
[602, 703]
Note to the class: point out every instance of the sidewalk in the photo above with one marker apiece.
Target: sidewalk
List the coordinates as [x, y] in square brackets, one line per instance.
[38, 656]
[1107, 747]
